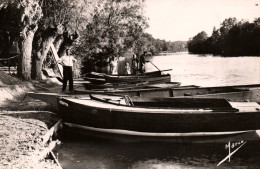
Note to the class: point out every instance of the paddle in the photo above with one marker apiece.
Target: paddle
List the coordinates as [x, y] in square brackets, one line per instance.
[154, 65]
[159, 69]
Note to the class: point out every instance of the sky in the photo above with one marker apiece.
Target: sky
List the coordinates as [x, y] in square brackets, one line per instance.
[174, 20]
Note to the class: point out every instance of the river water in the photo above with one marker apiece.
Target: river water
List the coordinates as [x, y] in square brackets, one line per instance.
[89, 152]
[208, 70]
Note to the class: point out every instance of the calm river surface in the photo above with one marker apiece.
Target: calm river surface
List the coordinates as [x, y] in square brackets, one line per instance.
[208, 70]
[89, 152]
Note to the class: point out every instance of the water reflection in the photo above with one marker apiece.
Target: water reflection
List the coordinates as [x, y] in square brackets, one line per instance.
[82, 151]
[209, 70]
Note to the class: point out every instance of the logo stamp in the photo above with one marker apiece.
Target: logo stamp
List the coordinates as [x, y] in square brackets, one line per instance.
[232, 147]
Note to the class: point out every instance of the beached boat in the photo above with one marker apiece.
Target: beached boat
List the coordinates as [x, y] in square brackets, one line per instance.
[232, 93]
[104, 116]
[160, 117]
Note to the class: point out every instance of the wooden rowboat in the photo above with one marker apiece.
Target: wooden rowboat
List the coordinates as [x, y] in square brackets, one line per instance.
[138, 78]
[232, 93]
[101, 75]
[124, 86]
[95, 80]
[160, 117]
[101, 115]
[149, 77]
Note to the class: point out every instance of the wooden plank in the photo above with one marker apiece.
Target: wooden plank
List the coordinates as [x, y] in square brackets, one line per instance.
[56, 58]
[55, 159]
[50, 98]
[51, 132]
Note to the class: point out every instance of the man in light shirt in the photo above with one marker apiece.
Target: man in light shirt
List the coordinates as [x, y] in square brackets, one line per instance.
[67, 62]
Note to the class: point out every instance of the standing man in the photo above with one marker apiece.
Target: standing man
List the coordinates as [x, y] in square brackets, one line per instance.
[67, 62]
[142, 63]
[134, 64]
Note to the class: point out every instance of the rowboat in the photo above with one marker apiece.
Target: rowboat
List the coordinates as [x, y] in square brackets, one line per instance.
[232, 93]
[95, 80]
[124, 86]
[160, 117]
[101, 75]
[151, 77]
[138, 78]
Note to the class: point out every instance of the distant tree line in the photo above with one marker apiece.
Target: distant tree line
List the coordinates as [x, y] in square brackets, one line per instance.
[233, 38]
[156, 46]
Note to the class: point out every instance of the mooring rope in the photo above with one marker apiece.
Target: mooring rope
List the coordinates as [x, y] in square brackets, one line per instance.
[1, 59]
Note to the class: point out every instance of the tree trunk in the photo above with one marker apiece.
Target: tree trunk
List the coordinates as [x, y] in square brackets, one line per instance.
[41, 53]
[24, 64]
[40, 57]
[58, 41]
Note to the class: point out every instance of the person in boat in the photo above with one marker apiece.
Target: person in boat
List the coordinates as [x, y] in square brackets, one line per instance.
[134, 64]
[67, 62]
[142, 62]
[127, 69]
[113, 66]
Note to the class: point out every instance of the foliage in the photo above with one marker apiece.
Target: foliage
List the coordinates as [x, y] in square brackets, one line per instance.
[234, 38]
[61, 21]
[113, 29]
[107, 29]
[19, 19]
[19, 16]
[198, 43]
[155, 46]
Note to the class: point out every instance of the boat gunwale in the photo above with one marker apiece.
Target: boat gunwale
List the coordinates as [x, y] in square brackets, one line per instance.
[150, 110]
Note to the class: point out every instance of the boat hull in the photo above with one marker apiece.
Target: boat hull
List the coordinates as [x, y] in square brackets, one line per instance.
[125, 136]
[124, 86]
[157, 121]
[232, 93]
[138, 78]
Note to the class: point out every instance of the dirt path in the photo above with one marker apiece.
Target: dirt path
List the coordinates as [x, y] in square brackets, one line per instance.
[24, 123]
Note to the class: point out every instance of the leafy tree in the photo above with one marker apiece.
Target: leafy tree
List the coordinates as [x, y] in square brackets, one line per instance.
[61, 23]
[21, 17]
[232, 39]
[197, 43]
[114, 28]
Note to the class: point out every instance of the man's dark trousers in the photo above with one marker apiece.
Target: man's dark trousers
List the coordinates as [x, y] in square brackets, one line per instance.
[67, 75]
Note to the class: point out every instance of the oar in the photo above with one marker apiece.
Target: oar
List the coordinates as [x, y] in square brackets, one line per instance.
[166, 70]
[154, 65]
[159, 69]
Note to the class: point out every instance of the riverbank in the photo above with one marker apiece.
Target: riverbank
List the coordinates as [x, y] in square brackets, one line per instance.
[27, 126]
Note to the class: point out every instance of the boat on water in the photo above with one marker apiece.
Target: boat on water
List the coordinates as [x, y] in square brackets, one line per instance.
[232, 93]
[95, 80]
[153, 79]
[236, 93]
[159, 117]
[148, 77]
[138, 79]
[124, 86]
[101, 75]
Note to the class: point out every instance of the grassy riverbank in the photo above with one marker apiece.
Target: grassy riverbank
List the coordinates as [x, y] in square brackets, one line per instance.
[24, 125]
